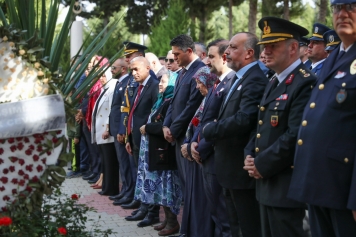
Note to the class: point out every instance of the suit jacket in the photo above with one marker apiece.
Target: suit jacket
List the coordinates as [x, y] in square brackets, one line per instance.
[237, 119]
[101, 118]
[143, 108]
[184, 103]
[161, 153]
[325, 164]
[318, 68]
[213, 102]
[116, 117]
[274, 143]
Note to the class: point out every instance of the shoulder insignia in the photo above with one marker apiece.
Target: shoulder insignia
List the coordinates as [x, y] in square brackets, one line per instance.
[305, 74]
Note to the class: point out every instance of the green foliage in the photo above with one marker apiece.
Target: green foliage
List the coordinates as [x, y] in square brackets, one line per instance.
[57, 211]
[175, 22]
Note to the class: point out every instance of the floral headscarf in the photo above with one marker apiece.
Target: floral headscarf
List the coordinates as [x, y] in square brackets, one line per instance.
[205, 76]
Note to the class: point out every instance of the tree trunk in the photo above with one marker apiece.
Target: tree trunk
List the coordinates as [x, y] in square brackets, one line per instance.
[230, 18]
[252, 16]
[322, 11]
[286, 9]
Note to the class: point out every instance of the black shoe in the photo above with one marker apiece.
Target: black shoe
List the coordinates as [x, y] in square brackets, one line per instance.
[124, 200]
[101, 192]
[94, 180]
[87, 172]
[150, 219]
[132, 205]
[134, 212]
[116, 197]
[89, 176]
[139, 216]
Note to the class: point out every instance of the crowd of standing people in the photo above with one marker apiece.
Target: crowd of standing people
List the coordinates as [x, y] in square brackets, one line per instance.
[247, 134]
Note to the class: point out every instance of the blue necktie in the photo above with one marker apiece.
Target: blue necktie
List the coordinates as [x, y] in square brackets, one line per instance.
[232, 89]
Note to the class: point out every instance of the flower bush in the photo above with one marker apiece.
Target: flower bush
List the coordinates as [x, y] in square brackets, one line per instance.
[60, 215]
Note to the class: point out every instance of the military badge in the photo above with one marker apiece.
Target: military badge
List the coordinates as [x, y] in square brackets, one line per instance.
[274, 120]
[283, 97]
[340, 75]
[290, 79]
[131, 92]
[266, 29]
[353, 67]
[341, 96]
[306, 74]
[316, 29]
[331, 38]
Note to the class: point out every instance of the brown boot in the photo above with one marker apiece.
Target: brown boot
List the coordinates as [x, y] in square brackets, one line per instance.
[161, 226]
[172, 226]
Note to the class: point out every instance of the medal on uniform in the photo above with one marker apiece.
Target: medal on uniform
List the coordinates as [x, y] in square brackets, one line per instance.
[274, 120]
[341, 96]
[353, 67]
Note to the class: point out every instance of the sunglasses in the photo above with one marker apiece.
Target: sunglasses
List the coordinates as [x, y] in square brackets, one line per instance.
[169, 59]
[113, 67]
[351, 7]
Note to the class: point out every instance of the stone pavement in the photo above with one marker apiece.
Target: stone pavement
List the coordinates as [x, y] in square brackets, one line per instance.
[111, 217]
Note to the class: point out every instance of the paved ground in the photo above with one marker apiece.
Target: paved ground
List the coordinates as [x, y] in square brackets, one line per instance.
[110, 216]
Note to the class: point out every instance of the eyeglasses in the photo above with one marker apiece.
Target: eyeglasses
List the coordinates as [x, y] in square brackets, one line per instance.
[114, 67]
[350, 7]
[169, 59]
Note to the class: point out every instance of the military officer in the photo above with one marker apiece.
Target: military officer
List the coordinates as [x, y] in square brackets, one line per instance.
[331, 40]
[303, 51]
[325, 165]
[316, 48]
[270, 153]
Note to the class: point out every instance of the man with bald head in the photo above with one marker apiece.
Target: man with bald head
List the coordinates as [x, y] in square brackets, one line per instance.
[156, 66]
[144, 98]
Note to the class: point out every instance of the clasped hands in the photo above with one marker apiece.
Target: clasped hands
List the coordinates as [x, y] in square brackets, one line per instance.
[251, 168]
[193, 150]
[167, 134]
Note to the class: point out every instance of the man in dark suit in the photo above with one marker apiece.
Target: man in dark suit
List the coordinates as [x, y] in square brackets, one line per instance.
[202, 150]
[316, 48]
[117, 129]
[231, 132]
[325, 165]
[186, 98]
[270, 153]
[145, 97]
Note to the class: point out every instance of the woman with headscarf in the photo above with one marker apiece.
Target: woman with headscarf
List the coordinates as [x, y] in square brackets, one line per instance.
[100, 136]
[157, 177]
[196, 220]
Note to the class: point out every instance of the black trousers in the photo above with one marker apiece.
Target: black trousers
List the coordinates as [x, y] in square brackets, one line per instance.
[282, 222]
[327, 222]
[93, 150]
[110, 169]
[180, 164]
[217, 205]
[243, 211]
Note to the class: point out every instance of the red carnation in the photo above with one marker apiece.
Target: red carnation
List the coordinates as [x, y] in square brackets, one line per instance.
[13, 159]
[62, 230]
[26, 140]
[35, 157]
[31, 147]
[2, 141]
[39, 148]
[29, 167]
[1, 161]
[6, 198]
[21, 161]
[44, 160]
[18, 138]
[2, 188]
[49, 153]
[28, 189]
[26, 176]
[35, 179]
[1, 151]
[22, 182]
[12, 168]
[75, 197]
[55, 139]
[14, 191]
[4, 179]
[28, 152]
[4, 209]
[39, 168]
[20, 146]
[5, 171]
[195, 121]
[5, 221]
[11, 140]
[14, 181]
[13, 148]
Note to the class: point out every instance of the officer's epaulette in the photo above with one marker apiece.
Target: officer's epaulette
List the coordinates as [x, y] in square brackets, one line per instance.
[304, 73]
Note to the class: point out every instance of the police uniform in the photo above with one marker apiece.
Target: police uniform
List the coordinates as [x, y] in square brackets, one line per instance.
[280, 113]
[331, 40]
[318, 31]
[304, 42]
[325, 163]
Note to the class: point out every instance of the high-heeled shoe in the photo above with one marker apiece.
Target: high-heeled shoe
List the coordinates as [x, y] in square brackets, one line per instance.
[93, 185]
[98, 187]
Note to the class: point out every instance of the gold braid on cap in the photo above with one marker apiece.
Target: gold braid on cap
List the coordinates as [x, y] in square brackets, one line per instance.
[129, 51]
[332, 43]
[272, 41]
[317, 35]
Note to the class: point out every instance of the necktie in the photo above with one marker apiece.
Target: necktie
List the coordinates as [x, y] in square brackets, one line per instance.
[232, 89]
[274, 82]
[217, 82]
[181, 75]
[133, 109]
[310, 68]
[341, 53]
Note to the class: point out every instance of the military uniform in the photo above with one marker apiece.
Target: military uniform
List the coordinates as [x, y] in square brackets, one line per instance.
[325, 164]
[318, 31]
[331, 40]
[273, 145]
